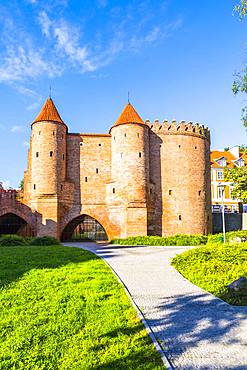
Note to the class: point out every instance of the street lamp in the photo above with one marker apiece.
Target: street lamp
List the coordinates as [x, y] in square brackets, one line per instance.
[222, 187]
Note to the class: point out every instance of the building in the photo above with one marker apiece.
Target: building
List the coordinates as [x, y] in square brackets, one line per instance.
[230, 158]
[138, 179]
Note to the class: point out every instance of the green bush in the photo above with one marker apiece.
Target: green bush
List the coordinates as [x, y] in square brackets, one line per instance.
[218, 239]
[12, 240]
[162, 241]
[214, 267]
[44, 240]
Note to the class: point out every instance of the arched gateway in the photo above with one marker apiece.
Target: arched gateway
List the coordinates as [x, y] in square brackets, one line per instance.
[84, 227]
[10, 223]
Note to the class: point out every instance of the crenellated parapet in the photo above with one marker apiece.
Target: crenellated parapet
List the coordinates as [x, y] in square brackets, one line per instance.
[181, 128]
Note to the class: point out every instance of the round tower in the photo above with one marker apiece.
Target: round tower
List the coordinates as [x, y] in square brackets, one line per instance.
[48, 152]
[185, 179]
[130, 169]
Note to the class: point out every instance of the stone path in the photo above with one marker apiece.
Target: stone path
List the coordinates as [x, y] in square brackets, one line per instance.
[195, 329]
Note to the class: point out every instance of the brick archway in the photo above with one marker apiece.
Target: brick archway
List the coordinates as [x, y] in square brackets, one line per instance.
[82, 227]
[101, 216]
[22, 211]
[10, 223]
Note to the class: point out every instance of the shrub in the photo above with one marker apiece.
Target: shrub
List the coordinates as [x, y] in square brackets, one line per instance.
[219, 238]
[162, 241]
[12, 240]
[44, 240]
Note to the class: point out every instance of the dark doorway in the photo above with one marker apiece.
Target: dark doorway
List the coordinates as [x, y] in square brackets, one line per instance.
[83, 228]
[13, 224]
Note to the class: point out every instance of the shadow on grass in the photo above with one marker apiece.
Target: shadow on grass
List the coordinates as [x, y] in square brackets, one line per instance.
[16, 261]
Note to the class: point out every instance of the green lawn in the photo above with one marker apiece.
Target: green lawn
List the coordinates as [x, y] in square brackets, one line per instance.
[62, 308]
[213, 267]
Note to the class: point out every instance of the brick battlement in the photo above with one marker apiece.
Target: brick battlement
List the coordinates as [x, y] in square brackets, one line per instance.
[182, 128]
[10, 193]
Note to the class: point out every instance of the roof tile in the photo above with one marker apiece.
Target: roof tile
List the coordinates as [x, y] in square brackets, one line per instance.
[48, 112]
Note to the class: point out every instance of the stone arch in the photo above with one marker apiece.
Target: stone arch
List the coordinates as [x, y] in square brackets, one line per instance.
[10, 223]
[84, 226]
[23, 213]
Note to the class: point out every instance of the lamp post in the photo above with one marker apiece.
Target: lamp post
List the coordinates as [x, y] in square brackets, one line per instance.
[222, 187]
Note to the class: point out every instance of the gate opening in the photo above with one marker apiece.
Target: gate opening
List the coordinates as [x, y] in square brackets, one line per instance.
[84, 228]
[13, 224]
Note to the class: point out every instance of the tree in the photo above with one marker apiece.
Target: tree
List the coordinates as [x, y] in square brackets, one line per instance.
[21, 186]
[238, 176]
[240, 84]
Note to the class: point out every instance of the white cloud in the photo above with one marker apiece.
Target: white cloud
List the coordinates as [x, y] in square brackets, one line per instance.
[17, 129]
[5, 184]
[30, 94]
[20, 63]
[26, 144]
[66, 38]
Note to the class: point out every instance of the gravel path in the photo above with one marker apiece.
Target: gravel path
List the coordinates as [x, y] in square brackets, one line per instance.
[195, 329]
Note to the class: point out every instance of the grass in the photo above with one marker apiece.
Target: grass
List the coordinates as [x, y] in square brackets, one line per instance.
[213, 267]
[62, 308]
[162, 241]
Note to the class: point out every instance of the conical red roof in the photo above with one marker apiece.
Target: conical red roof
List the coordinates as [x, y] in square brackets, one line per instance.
[48, 113]
[128, 115]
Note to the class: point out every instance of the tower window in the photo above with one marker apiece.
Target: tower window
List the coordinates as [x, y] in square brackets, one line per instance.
[85, 179]
[37, 154]
[63, 157]
[180, 217]
[138, 134]
[170, 192]
[51, 154]
[81, 144]
[114, 138]
[34, 186]
[53, 133]
[113, 190]
[195, 147]
[179, 146]
[39, 132]
[199, 192]
[97, 170]
[99, 144]
[140, 154]
[125, 135]
[61, 186]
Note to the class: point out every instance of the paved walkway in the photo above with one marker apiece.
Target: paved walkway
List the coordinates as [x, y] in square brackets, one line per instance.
[195, 329]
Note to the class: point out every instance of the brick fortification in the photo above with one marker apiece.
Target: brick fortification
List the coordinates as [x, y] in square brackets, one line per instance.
[140, 179]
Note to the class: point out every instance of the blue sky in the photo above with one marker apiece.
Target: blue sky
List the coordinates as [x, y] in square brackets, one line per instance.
[176, 57]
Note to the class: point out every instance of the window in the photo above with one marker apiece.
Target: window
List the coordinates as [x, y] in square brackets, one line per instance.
[85, 179]
[61, 186]
[179, 146]
[53, 133]
[138, 135]
[170, 192]
[125, 135]
[180, 217]
[140, 154]
[63, 157]
[34, 186]
[114, 137]
[199, 192]
[99, 144]
[121, 155]
[113, 190]
[39, 132]
[97, 170]
[220, 192]
[221, 161]
[51, 154]
[37, 154]
[220, 175]
[81, 144]
[151, 191]
[195, 147]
